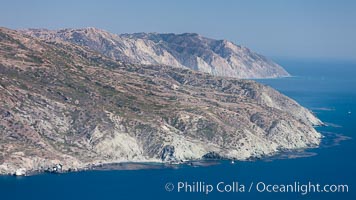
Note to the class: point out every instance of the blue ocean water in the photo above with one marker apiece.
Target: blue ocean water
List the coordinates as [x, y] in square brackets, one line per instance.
[327, 87]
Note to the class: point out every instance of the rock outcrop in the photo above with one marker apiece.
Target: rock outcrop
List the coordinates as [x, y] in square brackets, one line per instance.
[65, 105]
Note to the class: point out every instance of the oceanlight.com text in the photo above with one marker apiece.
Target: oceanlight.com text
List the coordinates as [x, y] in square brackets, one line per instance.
[260, 187]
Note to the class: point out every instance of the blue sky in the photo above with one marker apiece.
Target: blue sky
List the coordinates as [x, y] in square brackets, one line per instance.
[279, 29]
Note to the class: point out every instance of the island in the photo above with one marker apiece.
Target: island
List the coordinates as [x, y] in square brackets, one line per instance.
[67, 103]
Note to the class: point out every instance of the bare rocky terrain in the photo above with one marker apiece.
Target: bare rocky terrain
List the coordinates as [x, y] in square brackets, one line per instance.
[66, 106]
[187, 50]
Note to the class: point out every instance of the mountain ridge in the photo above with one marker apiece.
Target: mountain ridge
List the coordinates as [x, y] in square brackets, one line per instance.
[187, 50]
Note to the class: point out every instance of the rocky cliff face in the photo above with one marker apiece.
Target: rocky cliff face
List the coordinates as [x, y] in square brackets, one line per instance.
[189, 50]
[65, 106]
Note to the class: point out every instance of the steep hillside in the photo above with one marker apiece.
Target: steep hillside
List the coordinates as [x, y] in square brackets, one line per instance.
[62, 103]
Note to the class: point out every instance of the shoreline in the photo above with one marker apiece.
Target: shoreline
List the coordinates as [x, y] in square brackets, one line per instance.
[113, 166]
[328, 140]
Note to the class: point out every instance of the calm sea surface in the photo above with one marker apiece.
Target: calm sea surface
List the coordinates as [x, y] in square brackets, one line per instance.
[327, 88]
